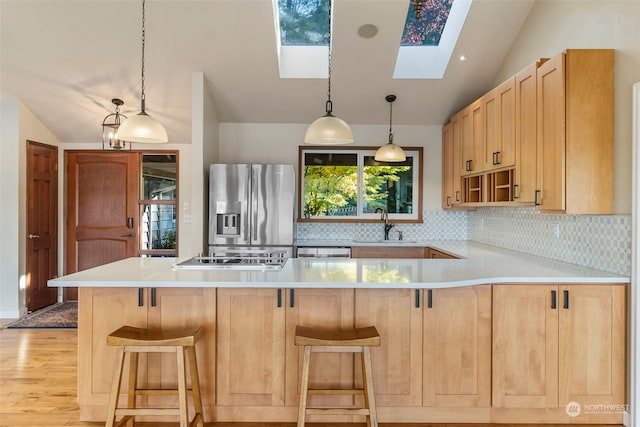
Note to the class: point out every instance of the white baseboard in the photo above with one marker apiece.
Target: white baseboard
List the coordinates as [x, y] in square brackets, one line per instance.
[12, 314]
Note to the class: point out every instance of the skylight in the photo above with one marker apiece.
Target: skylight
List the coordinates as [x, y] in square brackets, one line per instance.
[428, 59]
[424, 52]
[304, 22]
[302, 37]
[427, 30]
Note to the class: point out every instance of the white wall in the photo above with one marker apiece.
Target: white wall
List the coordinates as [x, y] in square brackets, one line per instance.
[278, 143]
[19, 124]
[553, 26]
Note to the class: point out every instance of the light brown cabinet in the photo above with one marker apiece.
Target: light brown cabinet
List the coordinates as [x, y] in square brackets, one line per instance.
[457, 347]
[472, 138]
[451, 163]
[499, 126]
[575, 132]
[525, 135]
[103, 310]
[397, 363]
[250, 347]
[484, 353]
[258, 363]
[388, 252]
[436, 254]
[558, 344]
[543, 137]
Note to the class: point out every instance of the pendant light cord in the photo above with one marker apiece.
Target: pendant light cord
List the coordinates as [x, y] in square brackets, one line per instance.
[142, 97]
[390, 116]
[329, 106]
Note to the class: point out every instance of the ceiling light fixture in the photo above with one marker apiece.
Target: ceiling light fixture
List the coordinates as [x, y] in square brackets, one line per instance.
[329, 129]
[142, 127]
[110, 126]
[390, 152]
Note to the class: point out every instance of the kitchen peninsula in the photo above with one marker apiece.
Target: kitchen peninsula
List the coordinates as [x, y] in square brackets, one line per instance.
[494, 336]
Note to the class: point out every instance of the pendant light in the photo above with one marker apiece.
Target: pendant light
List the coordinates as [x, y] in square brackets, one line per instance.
[390, 152]
[110, 126]
[142, 127]
[329, 129]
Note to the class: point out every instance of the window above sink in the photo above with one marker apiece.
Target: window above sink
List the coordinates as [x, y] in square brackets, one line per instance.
[341, 184]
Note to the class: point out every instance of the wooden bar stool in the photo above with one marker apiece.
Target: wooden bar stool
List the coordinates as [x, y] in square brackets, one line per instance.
[132, 341]
[343, 341]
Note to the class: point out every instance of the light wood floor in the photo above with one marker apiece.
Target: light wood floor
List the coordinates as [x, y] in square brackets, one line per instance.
[38, 383]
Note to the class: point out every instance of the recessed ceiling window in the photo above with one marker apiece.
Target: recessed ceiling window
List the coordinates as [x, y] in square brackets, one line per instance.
[427, 44]
[427, 30]
[302, 38]
[304, 22]
[301, 28]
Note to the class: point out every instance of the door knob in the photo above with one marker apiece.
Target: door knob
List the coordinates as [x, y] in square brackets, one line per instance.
[34, 236]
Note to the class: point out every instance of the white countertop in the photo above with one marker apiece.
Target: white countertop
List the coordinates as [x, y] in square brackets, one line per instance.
[479, 264]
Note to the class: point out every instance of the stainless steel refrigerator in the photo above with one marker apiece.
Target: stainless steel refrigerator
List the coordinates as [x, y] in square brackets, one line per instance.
[251, 206]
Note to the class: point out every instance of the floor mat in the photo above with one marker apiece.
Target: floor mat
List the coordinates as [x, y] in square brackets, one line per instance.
[61, 315]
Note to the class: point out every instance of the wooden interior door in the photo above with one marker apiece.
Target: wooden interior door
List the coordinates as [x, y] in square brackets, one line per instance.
[42, 224]
[102, 209]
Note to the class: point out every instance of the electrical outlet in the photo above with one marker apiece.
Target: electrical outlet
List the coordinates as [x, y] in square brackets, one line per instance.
[556, 230]
[187, 218]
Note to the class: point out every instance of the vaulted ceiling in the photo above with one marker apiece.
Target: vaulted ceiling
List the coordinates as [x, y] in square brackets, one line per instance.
[66, 60]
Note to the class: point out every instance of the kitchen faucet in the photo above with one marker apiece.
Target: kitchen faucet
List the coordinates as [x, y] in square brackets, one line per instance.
[384, 216]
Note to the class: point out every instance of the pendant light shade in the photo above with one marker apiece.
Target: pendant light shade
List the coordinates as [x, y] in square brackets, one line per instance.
[390, 152]
[329, 129]
[142, 127]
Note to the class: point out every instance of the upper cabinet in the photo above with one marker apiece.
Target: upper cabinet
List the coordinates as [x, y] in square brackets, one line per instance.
[575, 132]
[500, 129]
[471, 133]
[543, 137]
[451, 162]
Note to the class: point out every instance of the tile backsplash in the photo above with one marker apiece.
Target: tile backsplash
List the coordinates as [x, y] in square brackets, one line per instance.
[598, 241]
[437, 225]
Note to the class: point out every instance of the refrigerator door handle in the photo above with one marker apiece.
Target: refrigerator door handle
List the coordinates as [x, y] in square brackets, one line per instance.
[253, 199]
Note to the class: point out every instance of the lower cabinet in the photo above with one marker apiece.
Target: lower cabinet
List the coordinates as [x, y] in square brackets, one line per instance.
[553, 345]
[457, 347]
[258, 364]
[486, 353]
[103, 310]
[397, 363]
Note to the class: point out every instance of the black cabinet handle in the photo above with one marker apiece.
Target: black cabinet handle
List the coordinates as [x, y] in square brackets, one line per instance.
[279, 298]
[497, 155]
[140, 297]
[430, 298]
[566, 299]
[292, 298]
[536, 198]
[153, 297]
[457, 196]
[553, 300]
[417, 298]
[448, 200]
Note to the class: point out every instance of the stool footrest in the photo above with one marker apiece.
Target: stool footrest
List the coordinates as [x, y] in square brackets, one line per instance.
[323, 392]
[160, 392]
[147, 411]
[337, 411]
